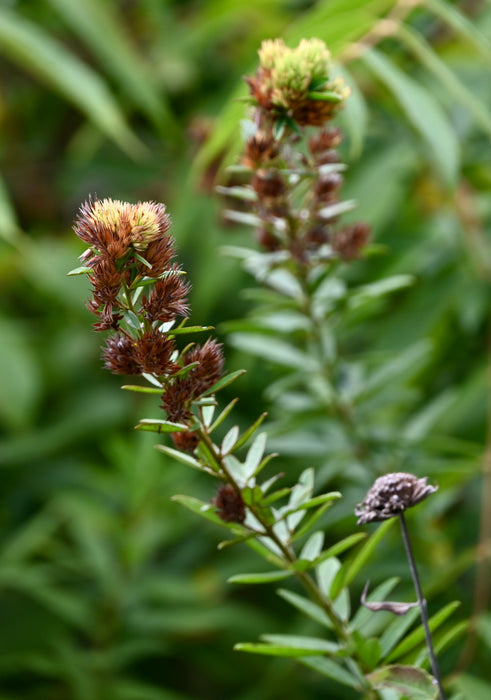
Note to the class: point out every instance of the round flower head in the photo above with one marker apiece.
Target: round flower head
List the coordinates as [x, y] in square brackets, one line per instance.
[391, 495]
[111, 226]
[297, 82]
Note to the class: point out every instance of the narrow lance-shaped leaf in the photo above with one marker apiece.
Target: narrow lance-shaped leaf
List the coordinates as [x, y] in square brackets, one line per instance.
[349, 570]
[263, 577]
[306, 606]
[105, 34]
[224, 381]
[423, 51]
[422, 110]
[418, 635]
[462, 25]
[34, 50]
[160, 426]
[250, 431]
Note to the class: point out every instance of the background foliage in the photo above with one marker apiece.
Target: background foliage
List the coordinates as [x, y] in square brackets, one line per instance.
[107, 588]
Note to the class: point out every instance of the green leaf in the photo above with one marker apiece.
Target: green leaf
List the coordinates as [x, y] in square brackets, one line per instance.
[423, 111]
[341, 546]
[264, 577]
[312, 519]
[250, 431]
[180, 456]
[473, 688]
[279, 127]
[363, 615]
[244, 193]
[312, 548]
[300, 642]
[182, 330]
[378, 289]
[104, 33]
[9, 225]
[19, 375]
[396, 630]
[35, 51]
[326, 96]
[320, 500]
[142, 389]
[418, 635]
[201, 508]
[327, 572]
[156, 425]
[351, 569]
[223, 415]
[255, 455]
[276, 495]
[424, 52]
[462, 25]
[242, 217]
[224, 381]
[306, 606]
[229, 440]
[412, 682]
[368, 650]
[334, 210]
[331, 669]
[277, 351]
[79, 271]
[444, 641]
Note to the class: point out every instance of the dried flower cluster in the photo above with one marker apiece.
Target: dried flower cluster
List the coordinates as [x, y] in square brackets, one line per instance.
[391, 495]
[139, 293]
[295, 172]
[230, 504]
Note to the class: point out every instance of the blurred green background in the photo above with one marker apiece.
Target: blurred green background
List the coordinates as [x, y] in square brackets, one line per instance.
[108, 590]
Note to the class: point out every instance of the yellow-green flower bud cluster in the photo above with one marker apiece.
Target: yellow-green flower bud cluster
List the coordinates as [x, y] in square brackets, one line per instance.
[289, 74]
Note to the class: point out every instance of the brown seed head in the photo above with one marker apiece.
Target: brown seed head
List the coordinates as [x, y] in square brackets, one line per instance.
[210, 368]
[348, 242]
[325, 140]
[268, 184]
[167, 299]
[229, 504]
[391, 495]
[327, 186]
[176, 400]
[260, 149]
[153, 353]
[119, 355]
[186, 441]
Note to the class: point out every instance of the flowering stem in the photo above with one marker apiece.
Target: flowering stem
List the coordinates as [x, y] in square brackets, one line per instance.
[422, 606]
[289, 556]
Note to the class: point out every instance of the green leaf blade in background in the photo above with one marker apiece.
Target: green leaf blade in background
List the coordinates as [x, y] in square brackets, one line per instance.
[38, 53]
[104, 32]
[422, 111]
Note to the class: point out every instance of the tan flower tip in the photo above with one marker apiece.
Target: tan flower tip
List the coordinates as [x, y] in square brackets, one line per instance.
[391, 495]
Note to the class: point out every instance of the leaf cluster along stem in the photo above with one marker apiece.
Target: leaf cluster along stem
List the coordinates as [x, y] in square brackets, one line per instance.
[304, 577]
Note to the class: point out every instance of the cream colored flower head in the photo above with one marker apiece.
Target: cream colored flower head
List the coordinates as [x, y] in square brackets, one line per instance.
[139, 224]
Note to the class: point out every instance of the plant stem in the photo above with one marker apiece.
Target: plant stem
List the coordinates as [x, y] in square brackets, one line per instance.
[304, 577]
[422, 606]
